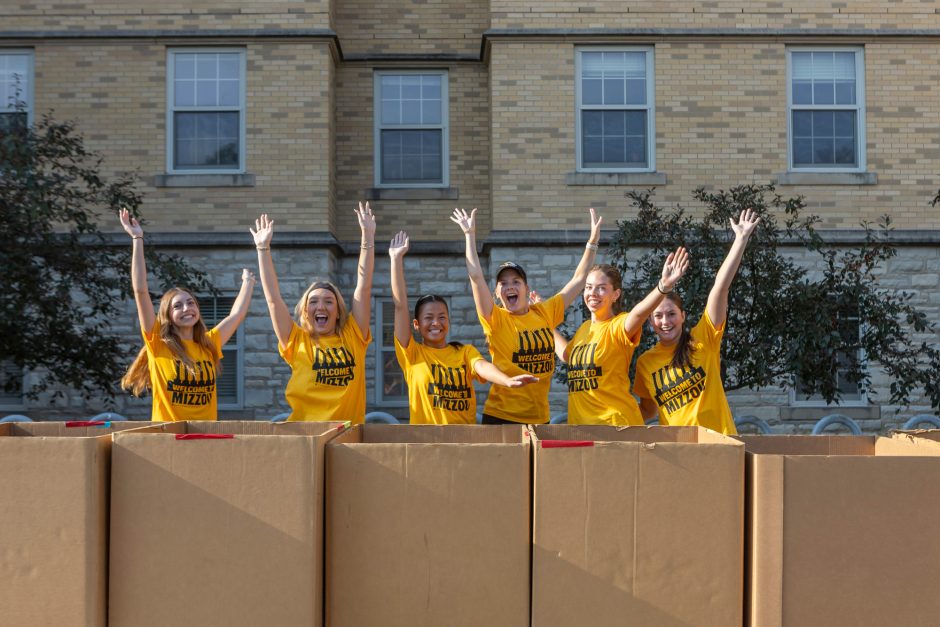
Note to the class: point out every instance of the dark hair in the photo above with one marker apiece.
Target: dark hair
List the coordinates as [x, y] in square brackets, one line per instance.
[616, 281]
[682, 358]
[433, 298]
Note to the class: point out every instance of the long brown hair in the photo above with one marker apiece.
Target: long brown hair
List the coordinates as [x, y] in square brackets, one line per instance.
[300, 309]
[616, 282]
[682, 357]
[137, 378]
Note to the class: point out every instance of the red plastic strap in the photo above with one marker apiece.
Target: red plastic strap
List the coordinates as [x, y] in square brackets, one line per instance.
[87, 423]
[566, 443]
[204, 436]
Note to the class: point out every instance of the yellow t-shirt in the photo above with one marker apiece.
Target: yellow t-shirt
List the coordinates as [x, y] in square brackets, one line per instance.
[440, 382]
[179, 394]
[598, 358]
[519, 345]
[328, 375]
[693, 395]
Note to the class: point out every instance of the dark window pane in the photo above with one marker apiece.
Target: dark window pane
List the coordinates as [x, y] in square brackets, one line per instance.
[411, 168]
[802, 151]
[614, 150]
[636, 152]
[845, 151]
[431, 167]
[591, 151]
[228, 125]
[614, 123]
[822, 124]
[613, 91]
[207, 125]
[411, 142]
[228, 154]
[185, 153]
[823, 151]
[592, 123]
[636, 91]
[206, 94]
[844, 125]
[185, 125]
[845, 92]
[823, 93]
[636, 123]
[391, 168]
[802, 124]
[591, 91]
[391, 142]
[431, 143]
[802, 92]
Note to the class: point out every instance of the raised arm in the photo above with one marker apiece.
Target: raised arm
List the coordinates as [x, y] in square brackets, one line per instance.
[145, 312]
[676, 265]
[277, 308]
[362, 297]
[561, 345]
[717, 305]
[482, 295]
[397, 250]
[236, 316]
[570, 291]
[491, 373]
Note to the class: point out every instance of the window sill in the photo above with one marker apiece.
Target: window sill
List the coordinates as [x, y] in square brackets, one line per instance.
[615, 178]
[204, 180]
[413, 193]
[827, 178]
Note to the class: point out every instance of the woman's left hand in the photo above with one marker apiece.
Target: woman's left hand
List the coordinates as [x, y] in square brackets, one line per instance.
[746, 225]
[596, 222]
[676, 265]
[366, 219]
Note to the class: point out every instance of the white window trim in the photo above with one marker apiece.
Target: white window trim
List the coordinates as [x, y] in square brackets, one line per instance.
[859, 106]
[377, 128]
[381, 353]
[170, 109]
[30, 92]
[650, 107]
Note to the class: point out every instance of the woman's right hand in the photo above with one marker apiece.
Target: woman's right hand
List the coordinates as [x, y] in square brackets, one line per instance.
[131, 225]
[398, 247]
[263, 231]
[466, 222]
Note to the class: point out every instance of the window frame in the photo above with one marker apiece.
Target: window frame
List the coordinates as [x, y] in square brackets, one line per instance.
[236, 345]
[649, 107]
[859, 107]
[241, 109]
[817, 401]
[378, 127]
[383, 352]
[29, 94]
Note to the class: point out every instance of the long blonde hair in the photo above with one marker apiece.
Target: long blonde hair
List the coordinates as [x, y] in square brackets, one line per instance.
[137, 379]
[300, 309]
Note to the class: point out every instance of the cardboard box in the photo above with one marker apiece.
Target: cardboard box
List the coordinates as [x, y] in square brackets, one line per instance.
[54, 522]
[637, 526]
[219, 532]
[843, 531]
[428, 525]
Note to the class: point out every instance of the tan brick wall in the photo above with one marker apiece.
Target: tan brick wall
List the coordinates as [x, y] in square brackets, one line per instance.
[899, 14]
[117, 95]
[469, 157]
[171, 15]
[411, 26]
[720, 121]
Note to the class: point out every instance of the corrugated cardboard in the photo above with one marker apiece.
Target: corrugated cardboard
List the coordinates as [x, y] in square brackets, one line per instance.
[843, 531]
[218, 532]
[54, 523]
[637, 526]
[429, 526]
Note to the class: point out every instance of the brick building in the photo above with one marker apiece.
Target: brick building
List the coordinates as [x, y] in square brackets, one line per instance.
[531, 110]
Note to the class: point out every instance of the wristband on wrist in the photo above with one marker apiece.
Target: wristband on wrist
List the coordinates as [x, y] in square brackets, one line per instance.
[662, 288]
[591, 246]
[262, 248]
[367, 246]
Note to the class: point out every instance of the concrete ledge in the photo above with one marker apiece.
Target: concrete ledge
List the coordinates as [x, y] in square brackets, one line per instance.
[413, 193]
[827, 178]
[615, 178]
[204, 180]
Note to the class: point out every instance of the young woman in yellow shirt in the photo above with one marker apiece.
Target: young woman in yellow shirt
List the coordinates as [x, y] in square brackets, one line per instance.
[519, 334]
[325, 347]
[438, 373]
[680, 377]
[180, 359]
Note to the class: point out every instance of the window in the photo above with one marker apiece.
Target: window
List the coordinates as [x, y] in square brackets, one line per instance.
[230, 382]
[16, 88]
[852, 393]
[390, 387]
[615, 117]
[826, 106]
[411, 138]
[11, 386]
[206, 113]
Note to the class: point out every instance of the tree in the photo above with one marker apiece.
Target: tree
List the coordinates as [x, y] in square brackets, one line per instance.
[788, 321]
[62, 282]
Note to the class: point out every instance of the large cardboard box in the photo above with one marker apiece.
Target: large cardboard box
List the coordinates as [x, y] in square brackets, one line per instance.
[218, 531]
[54, 522]
[428, 525]
[843, 531]
[637, 526]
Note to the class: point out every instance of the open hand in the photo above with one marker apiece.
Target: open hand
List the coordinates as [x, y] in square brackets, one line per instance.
[746, 225]
[521, 379]
[131, 225]
[596, 222]
[263, 231]
[676, 265]
[398, 247]
[466, 222]
[366, 219]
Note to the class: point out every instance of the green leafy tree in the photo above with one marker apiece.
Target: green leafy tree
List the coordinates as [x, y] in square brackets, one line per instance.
[63, 282]
[788, 321]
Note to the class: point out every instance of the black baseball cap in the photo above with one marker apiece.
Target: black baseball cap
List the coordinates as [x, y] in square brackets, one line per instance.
[511, 265]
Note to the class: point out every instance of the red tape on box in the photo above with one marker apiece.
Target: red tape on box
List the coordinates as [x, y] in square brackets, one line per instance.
[205, 436]
[87, 423]
[566, 443]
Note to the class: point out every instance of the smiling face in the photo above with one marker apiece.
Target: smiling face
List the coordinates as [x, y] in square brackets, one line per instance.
[322, 311]
[183, 310]
[600, 295]
[667, 321]
[432, 324]
[512, 289]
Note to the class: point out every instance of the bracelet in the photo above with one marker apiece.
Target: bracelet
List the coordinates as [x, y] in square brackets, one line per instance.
[367, 246]
[137, 237]
[262, 248]
[660, 287]
[591, 246]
